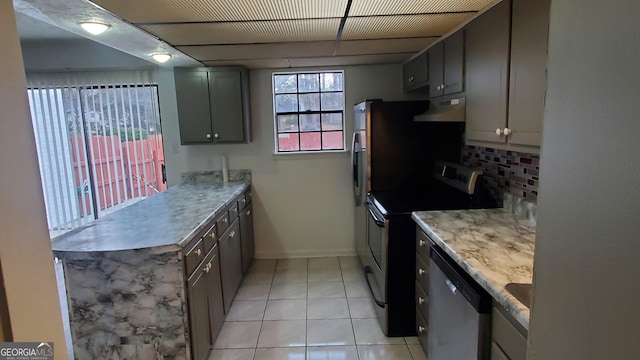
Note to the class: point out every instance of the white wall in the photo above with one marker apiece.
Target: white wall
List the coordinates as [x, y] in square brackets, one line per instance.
[587, 259]
[25, 249]
[303, 203]
[47, 55]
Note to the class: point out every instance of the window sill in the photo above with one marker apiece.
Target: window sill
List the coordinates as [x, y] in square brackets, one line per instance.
[311, 154]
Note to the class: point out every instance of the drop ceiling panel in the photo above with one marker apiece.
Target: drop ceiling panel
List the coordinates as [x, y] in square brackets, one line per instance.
[155, 11]
[351, 60]
[246, 32]
[388, 46]
[260, 51]
[401, 26]
[386, 7]
[251, 64]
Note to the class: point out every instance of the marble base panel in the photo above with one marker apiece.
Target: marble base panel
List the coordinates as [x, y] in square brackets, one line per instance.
[127, 304]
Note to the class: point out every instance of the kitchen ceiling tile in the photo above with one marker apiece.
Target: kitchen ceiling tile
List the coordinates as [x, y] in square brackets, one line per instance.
[259, 51]
[158, 11]
[251, 64]
[401, 26]
[382, 46]
[350, 60]
[386, 7]
[246, 32]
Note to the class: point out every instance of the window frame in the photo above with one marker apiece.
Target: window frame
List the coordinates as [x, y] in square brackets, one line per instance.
[276, 133]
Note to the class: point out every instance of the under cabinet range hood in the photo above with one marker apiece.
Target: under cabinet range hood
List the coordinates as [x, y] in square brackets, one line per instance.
[449, 110]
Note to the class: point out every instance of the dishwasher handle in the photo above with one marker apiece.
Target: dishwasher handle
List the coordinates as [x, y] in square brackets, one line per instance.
[367, 271]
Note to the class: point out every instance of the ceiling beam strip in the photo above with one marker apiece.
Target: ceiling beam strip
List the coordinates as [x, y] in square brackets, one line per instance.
[341, 27]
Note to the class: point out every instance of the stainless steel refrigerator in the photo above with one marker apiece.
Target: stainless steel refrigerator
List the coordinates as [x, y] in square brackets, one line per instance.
[390, 152]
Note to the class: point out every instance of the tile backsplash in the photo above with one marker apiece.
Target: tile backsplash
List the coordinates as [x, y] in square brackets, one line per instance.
[506, 171]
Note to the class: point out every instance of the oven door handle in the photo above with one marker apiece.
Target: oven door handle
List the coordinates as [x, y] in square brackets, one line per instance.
[375, 218]
[367, 271]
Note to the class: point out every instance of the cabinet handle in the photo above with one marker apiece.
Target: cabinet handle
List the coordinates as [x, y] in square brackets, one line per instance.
[421, 271]
[232, 234]
[243, 201]
[420, 300]
[506, 131]
[422, 243]
[212, 235]
[207, 268]
[225, 220]
[208, 136]
[421, 329]
[198, 252]
[216, 135]
[498, 131]
[248, 212]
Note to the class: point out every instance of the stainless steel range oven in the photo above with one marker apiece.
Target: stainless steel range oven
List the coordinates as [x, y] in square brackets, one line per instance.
[388, 258]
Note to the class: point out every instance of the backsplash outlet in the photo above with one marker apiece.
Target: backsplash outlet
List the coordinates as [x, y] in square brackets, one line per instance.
[506, 171]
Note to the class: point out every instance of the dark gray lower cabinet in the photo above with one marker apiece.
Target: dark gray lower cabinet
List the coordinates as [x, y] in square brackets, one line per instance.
[230, 263]
[214, 296]
[198, 313]
[246, 232]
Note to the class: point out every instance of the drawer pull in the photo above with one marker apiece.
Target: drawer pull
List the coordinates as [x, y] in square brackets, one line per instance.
[421, 329]
[421, 271]
[198, 252]
[243, 201]
[423, 243]
[420, 300]
[248, 212]
[225, 220]
[212, 235]
[207, 268]
[232, 234]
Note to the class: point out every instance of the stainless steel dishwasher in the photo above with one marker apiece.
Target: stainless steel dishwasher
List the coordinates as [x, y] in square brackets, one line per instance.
[459, 312]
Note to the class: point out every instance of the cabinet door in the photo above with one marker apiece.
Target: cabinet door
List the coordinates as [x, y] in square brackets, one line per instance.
[230, 264]
[487, 71]
[198, 314]
[214, 294]
[225, 88]
[528, 80]
[192, 95]
[436, 65]
[246, 236]
[454, 63]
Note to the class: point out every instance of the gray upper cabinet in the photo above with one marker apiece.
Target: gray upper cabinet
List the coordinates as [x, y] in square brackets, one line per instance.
[506, 57]
[528, 81]
[213, 105]
[446, 66]
[192, 94]
[415, 72]
[487, 73]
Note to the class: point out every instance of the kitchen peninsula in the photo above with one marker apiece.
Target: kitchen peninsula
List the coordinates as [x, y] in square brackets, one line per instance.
[128, 276]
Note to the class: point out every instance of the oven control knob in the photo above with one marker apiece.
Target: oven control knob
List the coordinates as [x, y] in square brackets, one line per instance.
[421, 271]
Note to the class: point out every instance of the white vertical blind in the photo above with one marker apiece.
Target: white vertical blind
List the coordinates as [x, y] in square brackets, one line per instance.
[96, 134]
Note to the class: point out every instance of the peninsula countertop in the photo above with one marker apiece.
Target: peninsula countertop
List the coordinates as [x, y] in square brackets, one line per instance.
[492, 245]
[168, 219]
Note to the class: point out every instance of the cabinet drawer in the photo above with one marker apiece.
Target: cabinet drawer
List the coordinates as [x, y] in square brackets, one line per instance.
[422, 330]
[507, 336]
[233, 211]
[210, 238]
[422, 273]
[194, 253]
[422, 302]
[423, 244]
[242, 202]
[223, 222]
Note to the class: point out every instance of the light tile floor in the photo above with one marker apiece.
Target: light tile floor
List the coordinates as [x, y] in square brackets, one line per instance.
[313, 309]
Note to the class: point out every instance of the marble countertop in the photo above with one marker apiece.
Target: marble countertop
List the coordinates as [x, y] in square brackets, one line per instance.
[168, 219]
[492, 245]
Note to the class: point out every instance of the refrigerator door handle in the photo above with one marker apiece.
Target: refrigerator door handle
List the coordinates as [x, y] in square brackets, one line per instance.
[355, 144]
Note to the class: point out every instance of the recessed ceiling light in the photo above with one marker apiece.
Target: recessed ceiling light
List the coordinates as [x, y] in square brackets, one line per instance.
[94, 27]
[161, 58]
